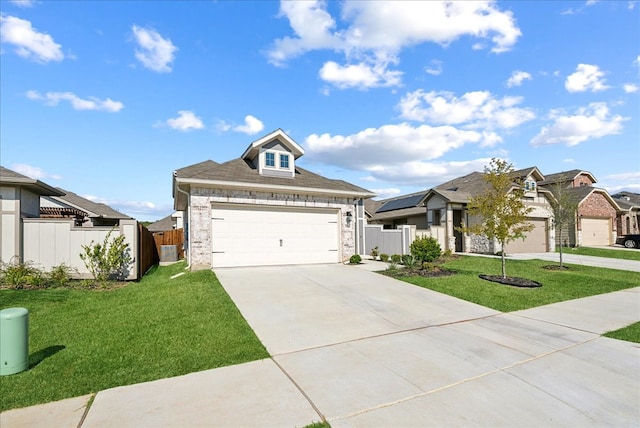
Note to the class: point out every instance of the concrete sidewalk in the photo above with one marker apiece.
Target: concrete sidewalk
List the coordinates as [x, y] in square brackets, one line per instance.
[360, 349]
[603, 262]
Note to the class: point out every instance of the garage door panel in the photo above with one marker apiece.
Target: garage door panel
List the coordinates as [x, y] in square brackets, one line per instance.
[535, 241]
[596, 231]
[261, 235]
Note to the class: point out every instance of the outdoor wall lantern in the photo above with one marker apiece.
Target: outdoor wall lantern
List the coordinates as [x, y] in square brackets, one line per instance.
[349, 218]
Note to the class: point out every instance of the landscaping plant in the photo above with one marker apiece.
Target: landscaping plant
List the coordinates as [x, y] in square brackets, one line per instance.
[355, 259]
[425, 249]
[107, 260]
[500, 207]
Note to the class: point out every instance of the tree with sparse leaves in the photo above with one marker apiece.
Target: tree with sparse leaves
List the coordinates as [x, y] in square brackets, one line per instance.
[500, 207]
[564, 206]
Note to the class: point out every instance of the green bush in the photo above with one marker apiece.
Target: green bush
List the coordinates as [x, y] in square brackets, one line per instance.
[17, 274]
[355, 259]
[60, 276]
[425, 249]
[409, 261]
[384, 257]
[396, 258]
[107, 260]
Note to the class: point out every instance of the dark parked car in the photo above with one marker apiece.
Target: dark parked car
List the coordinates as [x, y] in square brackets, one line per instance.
[629, 241]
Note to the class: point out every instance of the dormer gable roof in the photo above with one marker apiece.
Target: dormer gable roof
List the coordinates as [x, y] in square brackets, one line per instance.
[565, 176]
[254, 148]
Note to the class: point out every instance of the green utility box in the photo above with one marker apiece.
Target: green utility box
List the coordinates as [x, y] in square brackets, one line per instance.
[14, 341]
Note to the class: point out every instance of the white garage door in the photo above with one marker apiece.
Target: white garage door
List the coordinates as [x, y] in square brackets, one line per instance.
[535, 242]
[596, 231]
[261, 235]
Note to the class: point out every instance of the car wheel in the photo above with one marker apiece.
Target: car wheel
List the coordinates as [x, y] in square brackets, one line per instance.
[630, 243]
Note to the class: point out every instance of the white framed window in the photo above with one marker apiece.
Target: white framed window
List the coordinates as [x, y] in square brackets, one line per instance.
[270, 159]
[284, 161]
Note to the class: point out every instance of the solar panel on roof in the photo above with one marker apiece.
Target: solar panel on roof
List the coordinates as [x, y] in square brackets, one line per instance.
[398, 204]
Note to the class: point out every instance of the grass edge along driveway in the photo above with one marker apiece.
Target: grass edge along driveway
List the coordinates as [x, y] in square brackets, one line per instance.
[83, 341]
[557, 286]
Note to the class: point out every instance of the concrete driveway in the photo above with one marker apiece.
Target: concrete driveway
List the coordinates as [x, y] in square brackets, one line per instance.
[367, 350]
[362, 350]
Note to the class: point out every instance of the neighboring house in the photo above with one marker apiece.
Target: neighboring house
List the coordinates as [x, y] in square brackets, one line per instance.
[595, 222]
[627, 220]
[164, 224]
[263, 209]
[86, 213]
[446, 207]
[400, 210]
[19, 199]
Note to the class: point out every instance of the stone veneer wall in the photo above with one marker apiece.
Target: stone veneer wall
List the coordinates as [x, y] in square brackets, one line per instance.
[203, 198]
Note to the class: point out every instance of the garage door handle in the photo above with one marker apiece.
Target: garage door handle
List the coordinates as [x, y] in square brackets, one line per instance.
[281, 242]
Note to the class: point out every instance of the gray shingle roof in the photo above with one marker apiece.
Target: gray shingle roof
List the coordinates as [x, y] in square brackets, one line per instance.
[166, 223]
[564, 176]
[241, 171]
[94, 209]
[627, 199]
[10, 177]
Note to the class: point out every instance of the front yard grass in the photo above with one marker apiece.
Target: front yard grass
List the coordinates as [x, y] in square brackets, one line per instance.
[84, 341]
[630, 333]
[603, 252]
[557, 285]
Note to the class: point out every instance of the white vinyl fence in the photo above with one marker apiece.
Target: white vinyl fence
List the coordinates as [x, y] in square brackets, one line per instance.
[51, 242]
[389, 241]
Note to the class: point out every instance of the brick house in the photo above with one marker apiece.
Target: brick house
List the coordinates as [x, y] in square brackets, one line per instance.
[596, 217]
[263, 209]
[627, 220]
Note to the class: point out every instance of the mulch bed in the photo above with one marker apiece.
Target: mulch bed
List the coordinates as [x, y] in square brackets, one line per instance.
[512, 281]
[555, 267]
[427, 273]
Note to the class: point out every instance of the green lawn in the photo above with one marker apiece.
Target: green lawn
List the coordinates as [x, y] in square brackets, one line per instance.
[629, 333]
[84, 341]
[603, 252]
[578, 281]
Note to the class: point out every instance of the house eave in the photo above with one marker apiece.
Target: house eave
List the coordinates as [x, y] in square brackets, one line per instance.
[254, 147]
[272, 188]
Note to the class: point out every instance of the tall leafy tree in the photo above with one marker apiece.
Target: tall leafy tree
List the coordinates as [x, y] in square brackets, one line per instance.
[500, 207]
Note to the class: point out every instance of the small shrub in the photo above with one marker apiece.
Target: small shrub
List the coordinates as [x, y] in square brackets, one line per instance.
[396, 258]
[107, 260]
[374, 252]
[447, 253]
[425, 249]
[355, 259]
[384, 257]
[16, 274]
[409, 261]
[60, 275]
[393, 266]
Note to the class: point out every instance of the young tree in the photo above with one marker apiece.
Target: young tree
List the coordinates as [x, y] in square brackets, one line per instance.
[564, 206]
[501, 207]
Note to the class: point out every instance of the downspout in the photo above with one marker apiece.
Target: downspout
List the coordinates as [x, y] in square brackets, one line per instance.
[188, 221]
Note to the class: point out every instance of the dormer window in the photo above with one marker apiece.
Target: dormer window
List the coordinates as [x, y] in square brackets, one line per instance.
[284, 161]
[530, 186]
[270, 159]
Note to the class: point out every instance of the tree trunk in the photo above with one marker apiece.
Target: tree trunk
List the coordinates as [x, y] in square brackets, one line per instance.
[504, 269]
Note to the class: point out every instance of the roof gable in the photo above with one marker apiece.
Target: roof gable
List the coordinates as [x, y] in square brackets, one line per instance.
[12, 178]
[566, 176]
[254, 148]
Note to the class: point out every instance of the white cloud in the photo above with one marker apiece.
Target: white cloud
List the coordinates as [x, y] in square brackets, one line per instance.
[251, 126]
[24, 3]
[435, 68]
[593, 121]
[630, 88]
[427, 174]
[33, 172]
[479, 109]
[154, 52]
[517, 77]
[391, 152]
[185, 121]
[374, 33]
[359, 75]
[386, 193]
[28, 42]
[587, 77]
[569, 160]
[629, 181]
[90, 103]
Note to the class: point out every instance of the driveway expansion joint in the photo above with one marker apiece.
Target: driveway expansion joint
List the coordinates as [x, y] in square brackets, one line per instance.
[304, 394]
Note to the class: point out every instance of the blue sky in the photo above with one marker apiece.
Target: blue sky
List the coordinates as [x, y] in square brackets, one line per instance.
[108, 98]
